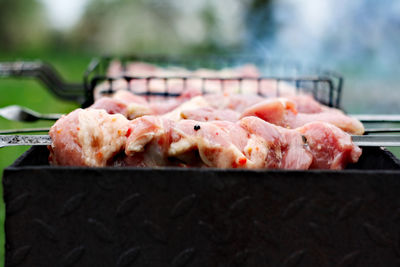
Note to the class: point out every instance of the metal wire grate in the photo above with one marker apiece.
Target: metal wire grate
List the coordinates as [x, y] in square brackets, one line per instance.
[275, 79]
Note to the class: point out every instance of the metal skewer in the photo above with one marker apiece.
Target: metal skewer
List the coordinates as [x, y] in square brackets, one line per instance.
[376, 140]
[376, 117]
[18, 113]
[382, 130]
[33, 140]
[24, 140]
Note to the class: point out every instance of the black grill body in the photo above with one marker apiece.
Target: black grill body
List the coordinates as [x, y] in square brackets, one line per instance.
[70, 216]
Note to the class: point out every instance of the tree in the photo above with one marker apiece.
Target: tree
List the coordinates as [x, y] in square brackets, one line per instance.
[22, 24]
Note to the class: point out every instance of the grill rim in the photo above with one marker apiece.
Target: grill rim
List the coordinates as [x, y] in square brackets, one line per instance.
[385, 155]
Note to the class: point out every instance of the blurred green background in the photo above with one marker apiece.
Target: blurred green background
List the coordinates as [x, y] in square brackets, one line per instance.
[359, 38]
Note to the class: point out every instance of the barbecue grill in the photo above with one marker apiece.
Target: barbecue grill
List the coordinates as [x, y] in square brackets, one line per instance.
[74, 216]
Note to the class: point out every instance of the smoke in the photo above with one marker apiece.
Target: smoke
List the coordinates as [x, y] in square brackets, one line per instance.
[360, 39]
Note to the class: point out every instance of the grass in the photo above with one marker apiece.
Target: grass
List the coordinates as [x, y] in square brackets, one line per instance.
[32, 94]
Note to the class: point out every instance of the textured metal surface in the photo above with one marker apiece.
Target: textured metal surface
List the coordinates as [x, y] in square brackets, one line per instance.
[360, 140]
[186, 217]
[23, 140]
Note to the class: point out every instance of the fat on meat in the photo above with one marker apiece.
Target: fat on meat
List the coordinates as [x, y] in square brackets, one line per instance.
[286, 147]
[331, 147]
[291, 112]
[87, 137]
[283, 112]
[210, 114]
[248, 143]
[133, 106]
[162, 139]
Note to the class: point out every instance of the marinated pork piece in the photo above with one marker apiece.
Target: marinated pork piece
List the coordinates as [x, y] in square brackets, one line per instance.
[66, 149]
[133, 106]
[210, 114]
[163, 106]
[87, 137]
[236, 102]
[278, 111]
[125, 103]
[148, 142]
[111, 106]
[283, 112]
[307, 104]
[193, 104]
[289, 150]
[331, 148]
[136, 106]
[217, 145]
[339, 119]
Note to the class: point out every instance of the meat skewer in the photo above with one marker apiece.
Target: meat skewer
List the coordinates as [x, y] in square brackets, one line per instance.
[34, 140]
[94, 138]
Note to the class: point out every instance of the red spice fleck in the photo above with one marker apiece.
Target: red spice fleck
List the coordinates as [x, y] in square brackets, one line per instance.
[216, 133]
[292, 108]
[242, 161]
[128, 133]
[99, 155]
[234, 164]
[78, 128]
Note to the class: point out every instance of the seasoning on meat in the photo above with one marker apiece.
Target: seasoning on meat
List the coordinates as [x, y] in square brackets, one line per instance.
[159, 141]
[290, 112]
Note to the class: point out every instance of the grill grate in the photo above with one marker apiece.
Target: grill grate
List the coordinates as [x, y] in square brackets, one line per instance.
[275, 77]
